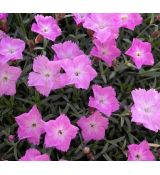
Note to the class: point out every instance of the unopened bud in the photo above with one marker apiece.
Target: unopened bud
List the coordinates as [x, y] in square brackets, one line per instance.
[38, 39]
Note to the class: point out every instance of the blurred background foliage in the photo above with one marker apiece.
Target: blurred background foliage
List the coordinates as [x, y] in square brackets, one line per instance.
[122, 76]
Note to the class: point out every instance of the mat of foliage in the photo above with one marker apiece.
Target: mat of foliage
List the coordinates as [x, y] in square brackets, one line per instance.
[74, 102]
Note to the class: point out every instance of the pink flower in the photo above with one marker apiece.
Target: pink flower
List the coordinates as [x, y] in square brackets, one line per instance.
[146, 108]
[47, 27]
[107, 51]
[46, 75]
[3, 16]
[59, 133]
[8, 77]
[31, 126]
[79, 71]
[140, 152]
[103, 25]
[93, 127]
[66, 50]
[140, 52]
[34, 155]
[11, 49]
[80, 17]
[128, 20]
[104, 100]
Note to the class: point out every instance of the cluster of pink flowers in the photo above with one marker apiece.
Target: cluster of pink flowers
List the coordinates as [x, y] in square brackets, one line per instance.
[71, 66]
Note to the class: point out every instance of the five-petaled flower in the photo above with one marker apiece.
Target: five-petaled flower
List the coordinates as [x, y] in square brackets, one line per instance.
[140, 152]
[140, 53]
[146, 108]
[47, 27]
[8, 78]
[11, 49]
[34, 155]
[59, 133]
[93, 127]
[104, 100]
[31, 126]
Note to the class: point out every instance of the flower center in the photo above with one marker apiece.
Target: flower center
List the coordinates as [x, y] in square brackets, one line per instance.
[92, 125]
[5, 78]
[138, 157]
[60, 132]
[77, 73]
[11, 51]
[34, 125]
[124, 17]
[138, 53]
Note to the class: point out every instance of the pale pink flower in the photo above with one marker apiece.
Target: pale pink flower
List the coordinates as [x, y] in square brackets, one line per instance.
[47, 27]
[31, 126]
[93, 127]
[140, 152]
[46, 75]
[79, 71]
[34, 155]
[8, 78]
[11, 49]
[80, 17]
[146, 108]
[128, 20]
[104, 100]
[107, 51]
[59, 133]
[66, 50]
[140, 53]
[103, 25]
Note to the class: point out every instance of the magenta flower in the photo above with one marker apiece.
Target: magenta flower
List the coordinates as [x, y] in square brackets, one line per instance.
[140, 152]
[46, 75]
[66, 50]
[93, 127]
[146, 108]
[11, 49]
[3, 16]
[59, 133]
[47, 27]
[104, 100]
[107, 51]
[80, 17]
[8, 78]
[103, 25]
[79, 71]
[34, 155]
[140, 52]
[128, 20]
[31, 126]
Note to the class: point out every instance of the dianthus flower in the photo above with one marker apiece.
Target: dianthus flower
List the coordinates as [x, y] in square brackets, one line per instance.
[66, 50]
[46, 26]
[8, 77]
[140, 52]
[128, 20]
[80, 17]
[107, 51]
[3, 16]
[11, 49]
[104, 100]
[79, 71]
[31, 126]
[46, 75]
[59, 133]
[140, 152]
[34, 155]
[103, 25]
[93, 127]
[146, 108]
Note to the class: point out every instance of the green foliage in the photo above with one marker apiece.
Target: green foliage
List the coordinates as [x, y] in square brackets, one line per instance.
[122, 76]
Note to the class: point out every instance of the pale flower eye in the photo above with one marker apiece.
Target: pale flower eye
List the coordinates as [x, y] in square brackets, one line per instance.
[34, 125]
[138, 53]
[124, 17]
